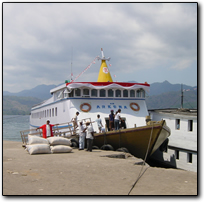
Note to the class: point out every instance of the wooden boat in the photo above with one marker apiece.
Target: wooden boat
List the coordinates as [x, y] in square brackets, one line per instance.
[141, 142]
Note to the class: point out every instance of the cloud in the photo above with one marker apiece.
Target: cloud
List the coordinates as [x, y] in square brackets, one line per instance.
[38, 39]
[183, 64]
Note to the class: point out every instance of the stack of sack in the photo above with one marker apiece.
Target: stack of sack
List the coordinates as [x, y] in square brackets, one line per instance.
[39, 145]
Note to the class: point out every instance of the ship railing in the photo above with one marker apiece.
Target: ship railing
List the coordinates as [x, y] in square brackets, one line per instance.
[66, 130]
[39, 103]
[25, 133]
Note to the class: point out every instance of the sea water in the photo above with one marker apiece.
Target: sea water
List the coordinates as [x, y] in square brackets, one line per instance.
[12, 125]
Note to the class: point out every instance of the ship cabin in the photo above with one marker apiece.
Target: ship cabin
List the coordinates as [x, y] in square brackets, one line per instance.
[111, 90]
[92, 98]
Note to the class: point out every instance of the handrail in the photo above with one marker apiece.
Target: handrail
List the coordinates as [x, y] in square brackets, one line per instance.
[66, 130]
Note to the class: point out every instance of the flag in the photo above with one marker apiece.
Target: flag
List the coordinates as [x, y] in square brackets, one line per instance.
[85, 69]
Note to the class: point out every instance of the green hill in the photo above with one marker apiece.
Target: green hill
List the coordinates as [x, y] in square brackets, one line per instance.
[173, 100]
[15, 105]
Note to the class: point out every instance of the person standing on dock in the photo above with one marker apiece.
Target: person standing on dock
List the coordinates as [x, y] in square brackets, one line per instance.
[111, 120]
[47, 129]
[75, 119]
[82, 135]
[99, 123]
[89, 136]
[117, 119]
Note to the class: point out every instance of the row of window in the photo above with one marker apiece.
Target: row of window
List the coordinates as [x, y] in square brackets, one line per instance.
[45, 113]
[189, 156]
[177, 155]
[101, 93]
[190, 125]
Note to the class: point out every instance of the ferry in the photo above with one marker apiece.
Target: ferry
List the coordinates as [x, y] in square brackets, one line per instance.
[138, 133]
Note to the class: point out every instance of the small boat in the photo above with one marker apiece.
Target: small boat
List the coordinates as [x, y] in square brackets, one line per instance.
[138, 133]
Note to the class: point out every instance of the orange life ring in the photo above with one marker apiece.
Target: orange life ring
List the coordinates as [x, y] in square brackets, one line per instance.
[85, 110]
[134, 109]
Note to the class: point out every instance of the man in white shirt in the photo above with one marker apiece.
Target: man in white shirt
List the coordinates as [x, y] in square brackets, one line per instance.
[117, 118]
[81, 136]
[48, 132]
[89, 136]
[47, 129]
[99, 123]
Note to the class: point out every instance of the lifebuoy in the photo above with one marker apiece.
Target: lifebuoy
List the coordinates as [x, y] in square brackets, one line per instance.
[85, 104]
[134, 109]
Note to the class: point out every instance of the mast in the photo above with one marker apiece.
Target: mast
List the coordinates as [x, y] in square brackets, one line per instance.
[71, 63]
[104, 73]
[181, 96]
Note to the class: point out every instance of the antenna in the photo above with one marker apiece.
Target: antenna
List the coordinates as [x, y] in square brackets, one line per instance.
[71, 63]
[103, 57]
[102, 53]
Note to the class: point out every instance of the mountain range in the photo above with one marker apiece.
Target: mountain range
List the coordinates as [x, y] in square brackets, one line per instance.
[161, 95]
[159, 88]
[163, 87]
[41, 92]
[172, 99]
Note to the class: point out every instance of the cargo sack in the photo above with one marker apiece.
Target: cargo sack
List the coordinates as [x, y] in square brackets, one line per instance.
[59, 141]
[38, 149]
[33, 139]
[60, 149]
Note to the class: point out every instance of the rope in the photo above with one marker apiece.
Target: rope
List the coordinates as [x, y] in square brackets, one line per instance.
[188, 103]
[140, 175]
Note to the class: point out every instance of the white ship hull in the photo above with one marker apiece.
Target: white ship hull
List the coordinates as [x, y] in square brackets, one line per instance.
[65, 109]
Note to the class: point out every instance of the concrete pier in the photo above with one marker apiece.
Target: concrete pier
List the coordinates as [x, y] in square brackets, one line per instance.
[88, 173]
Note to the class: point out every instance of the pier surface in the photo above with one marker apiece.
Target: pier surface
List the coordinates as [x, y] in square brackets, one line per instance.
[88, 173]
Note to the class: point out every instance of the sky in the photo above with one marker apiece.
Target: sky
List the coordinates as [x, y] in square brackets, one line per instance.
[147, 42]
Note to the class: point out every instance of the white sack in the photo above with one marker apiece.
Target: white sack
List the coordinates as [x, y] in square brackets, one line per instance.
[59, 141]
[33, 139]
[60, 149]
[38, 149]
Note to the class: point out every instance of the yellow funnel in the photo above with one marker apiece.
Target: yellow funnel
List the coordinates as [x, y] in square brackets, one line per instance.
[104, 74]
